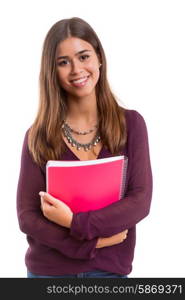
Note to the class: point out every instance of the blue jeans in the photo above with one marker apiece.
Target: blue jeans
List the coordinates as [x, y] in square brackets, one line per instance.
[91, 274]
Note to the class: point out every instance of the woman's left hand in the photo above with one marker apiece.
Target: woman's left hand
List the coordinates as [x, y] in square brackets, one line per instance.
[56, 210]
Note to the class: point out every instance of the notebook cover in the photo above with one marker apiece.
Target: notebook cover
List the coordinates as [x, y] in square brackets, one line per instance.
[87, 187]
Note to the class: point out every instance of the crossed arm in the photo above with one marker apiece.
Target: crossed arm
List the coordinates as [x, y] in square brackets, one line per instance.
[59, 213]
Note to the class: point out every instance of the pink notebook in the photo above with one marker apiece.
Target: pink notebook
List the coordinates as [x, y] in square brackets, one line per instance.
[87, 185]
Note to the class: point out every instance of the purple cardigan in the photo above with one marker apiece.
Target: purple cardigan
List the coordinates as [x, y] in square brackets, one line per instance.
[56, 250]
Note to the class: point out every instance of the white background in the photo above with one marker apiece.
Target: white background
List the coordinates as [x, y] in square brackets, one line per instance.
[144, 41]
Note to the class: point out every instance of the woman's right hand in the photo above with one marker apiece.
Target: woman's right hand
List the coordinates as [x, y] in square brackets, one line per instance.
[112, 240]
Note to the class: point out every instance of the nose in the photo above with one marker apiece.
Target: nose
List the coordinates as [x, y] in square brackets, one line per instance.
[76, 67]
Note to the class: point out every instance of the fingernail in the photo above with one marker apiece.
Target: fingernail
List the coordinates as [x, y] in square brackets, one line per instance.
[41, 194]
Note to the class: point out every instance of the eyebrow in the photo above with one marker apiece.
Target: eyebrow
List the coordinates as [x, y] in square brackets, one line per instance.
[80, 52]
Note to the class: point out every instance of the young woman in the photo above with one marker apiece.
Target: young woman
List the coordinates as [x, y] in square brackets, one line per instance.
[79, 119]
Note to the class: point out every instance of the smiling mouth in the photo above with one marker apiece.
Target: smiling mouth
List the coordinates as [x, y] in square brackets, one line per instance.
[80, 81]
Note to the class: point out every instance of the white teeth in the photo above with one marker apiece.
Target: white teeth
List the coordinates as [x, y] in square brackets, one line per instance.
[80, 80]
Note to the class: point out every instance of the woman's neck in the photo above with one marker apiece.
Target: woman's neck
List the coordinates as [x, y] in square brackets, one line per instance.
[82, 112]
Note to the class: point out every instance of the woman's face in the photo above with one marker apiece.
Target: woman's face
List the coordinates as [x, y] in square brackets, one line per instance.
[77, 67]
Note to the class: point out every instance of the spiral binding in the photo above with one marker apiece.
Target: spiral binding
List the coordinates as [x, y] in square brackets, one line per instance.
[123, 182]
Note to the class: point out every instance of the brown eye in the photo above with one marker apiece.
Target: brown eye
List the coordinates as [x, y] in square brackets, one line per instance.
[84, 57]
[63, 63]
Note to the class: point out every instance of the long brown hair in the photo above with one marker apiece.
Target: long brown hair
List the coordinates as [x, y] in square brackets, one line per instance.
[45, 140]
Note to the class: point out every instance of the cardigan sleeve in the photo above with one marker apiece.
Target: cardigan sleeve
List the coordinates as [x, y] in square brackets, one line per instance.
[31, 220]
[135, 205]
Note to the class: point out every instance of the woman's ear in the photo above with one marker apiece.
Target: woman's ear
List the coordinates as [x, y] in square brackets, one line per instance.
[99, 60]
